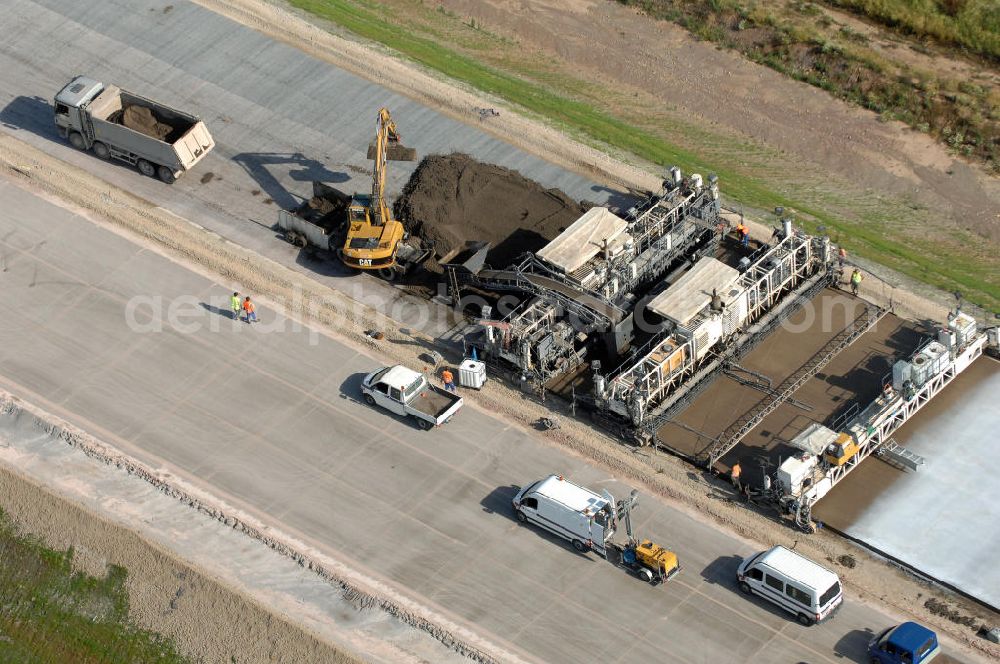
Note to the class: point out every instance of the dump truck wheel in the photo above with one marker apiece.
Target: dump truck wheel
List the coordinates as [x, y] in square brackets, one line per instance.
[76, 140]
[370, 400]
[423, 425]
[745, 588]
[579, 546]
[165, 174]
[101, 150]
[145, 168]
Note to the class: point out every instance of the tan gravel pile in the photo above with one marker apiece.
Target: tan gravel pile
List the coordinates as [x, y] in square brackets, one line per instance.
[142, 120]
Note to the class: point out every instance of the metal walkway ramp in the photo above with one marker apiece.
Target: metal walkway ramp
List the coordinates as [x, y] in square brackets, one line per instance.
[892, 452]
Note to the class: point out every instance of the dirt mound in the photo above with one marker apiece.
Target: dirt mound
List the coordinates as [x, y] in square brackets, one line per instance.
[142, 120]
[453, 198]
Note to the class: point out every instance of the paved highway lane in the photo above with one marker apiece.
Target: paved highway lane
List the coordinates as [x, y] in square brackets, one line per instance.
[280, 118]
[271, 420]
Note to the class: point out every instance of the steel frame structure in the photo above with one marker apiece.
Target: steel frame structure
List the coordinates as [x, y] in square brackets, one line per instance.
[637, 389]
[893, 413]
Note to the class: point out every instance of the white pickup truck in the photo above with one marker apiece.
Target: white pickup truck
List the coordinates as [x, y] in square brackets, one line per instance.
[406, 392]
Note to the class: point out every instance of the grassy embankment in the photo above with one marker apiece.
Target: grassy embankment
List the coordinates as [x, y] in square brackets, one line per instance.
[49, 613]
[471, 55]
[801, 41]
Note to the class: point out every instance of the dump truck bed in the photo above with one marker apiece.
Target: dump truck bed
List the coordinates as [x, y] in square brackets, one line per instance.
[319, 219]
[151, 130]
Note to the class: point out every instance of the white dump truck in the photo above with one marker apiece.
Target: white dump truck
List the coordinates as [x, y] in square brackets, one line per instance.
[408, 393]
[160, 141]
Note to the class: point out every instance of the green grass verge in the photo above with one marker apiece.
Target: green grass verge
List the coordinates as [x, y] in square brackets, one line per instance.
[971, 24]
[49, 613]
[948, 267]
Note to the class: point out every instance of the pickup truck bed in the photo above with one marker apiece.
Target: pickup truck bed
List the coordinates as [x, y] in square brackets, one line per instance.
[435, 401]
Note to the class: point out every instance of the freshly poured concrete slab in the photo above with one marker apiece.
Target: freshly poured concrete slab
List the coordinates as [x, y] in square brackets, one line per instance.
[584, 239]
[944, 519]
[693, 291]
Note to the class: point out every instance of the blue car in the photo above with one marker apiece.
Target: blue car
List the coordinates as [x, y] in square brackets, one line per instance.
[908, 643]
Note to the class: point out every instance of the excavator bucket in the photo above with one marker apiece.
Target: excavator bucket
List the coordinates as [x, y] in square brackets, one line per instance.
[394, 152]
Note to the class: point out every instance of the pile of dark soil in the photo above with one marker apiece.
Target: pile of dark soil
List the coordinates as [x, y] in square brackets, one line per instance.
[454, 198]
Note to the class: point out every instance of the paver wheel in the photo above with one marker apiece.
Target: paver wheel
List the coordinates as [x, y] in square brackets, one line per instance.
[745, 588]
[146, 168]
[165, 174]
[102, 150]
[388, 273]
[370, 400]
[76, 140]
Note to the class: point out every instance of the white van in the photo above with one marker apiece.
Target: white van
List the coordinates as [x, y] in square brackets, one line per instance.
[793, 582]
[572, 512]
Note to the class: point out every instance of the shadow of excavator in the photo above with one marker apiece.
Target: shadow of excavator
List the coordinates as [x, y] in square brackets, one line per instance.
[267, 167]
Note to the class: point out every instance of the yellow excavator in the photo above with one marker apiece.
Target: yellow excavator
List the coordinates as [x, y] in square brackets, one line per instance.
[375, 241]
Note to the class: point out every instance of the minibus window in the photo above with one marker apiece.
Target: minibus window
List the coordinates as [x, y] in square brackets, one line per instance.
[777, 584]
[831, 592]
[797, 594]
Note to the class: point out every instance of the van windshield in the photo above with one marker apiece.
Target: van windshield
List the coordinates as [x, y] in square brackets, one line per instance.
[830, 593]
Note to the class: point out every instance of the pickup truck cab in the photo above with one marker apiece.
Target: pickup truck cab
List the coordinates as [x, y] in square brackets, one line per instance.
[407, 393]
[908, 643]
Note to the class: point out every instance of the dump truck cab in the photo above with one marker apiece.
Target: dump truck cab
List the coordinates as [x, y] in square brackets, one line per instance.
[907, 643]
[74, 96]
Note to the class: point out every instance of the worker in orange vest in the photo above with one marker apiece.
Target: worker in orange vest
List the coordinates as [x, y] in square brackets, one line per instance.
[249, 310]
[734, 476]
[743, 234]
[448, 379]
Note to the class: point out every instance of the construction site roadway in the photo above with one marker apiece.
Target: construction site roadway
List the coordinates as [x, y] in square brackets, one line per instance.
[268, 417]
[280, 118]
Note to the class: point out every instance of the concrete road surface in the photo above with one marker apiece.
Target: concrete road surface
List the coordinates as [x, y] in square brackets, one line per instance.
[142, 353]
[280, 118]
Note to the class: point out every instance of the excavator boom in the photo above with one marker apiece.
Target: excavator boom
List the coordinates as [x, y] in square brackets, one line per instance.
[373, 236]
